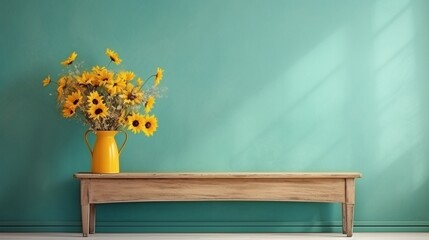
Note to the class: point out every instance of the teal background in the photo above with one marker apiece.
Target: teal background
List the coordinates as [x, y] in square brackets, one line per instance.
[253, 85]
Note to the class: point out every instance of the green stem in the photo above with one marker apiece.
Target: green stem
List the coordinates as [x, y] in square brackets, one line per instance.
[147, 81]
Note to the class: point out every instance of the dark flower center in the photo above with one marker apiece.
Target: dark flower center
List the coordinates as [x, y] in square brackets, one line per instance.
[136, 123]
[147, 125]
[112, 59]
[95, 101]
[71, 111]
[75, 102]
[131, 97]
[98, 111]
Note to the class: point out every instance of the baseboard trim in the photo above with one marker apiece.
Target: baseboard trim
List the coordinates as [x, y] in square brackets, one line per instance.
[213, 227]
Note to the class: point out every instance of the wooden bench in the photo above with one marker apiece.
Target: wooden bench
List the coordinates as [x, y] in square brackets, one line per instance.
[156, 187]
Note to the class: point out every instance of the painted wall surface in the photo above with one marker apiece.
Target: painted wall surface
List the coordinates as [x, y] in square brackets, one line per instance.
[253, 85]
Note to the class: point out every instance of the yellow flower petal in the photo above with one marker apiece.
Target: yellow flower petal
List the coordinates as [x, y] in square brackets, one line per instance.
[74, 99]
[158, 76]
[70, 59]
[136, 122]
[94, 98]
[126, 75]
[149, 104]
[132, 95]
[46, 81]
[114, 57]
[150, 125]
[68, 112]
[139, 82]
[116, 86]
[101, 76]
[86, 78]
[97, 111]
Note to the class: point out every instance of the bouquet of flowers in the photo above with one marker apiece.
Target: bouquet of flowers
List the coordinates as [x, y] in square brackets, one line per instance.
[106, 100]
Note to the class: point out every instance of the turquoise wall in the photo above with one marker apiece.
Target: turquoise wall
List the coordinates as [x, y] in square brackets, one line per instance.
[253, 85]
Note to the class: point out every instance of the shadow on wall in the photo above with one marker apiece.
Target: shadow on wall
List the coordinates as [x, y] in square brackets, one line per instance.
[400, 145]
[353, 99]
[266, 105]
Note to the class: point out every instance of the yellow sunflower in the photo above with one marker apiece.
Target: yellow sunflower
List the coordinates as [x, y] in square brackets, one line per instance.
[74, 99]
[150, 125]
[158, 76]
[136, 122]
[113, 56]
[94, 98]
[115, 86]
[131, 95]
[46, 81]
[70, 59]
[149, 104]
[69, 105]
[101, 76]
[97, 111]
[68, 112]
[85, 79]
[98, 69]
[126, 75]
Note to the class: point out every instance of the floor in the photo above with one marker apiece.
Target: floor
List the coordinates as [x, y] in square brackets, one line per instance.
[217, 236]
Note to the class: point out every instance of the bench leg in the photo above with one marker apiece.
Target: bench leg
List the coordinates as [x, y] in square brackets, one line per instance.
[85, 219]
[349, 219]
[92, 218]
[344, 213]
[85, 206]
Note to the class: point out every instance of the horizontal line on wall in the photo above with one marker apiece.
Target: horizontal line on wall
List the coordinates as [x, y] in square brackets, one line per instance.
[210, 226]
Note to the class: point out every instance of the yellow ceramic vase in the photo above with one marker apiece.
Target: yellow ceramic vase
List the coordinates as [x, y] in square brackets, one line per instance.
[105, 154]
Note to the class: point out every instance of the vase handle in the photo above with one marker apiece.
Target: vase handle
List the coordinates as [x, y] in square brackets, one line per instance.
[125, 141]
[85, 137]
